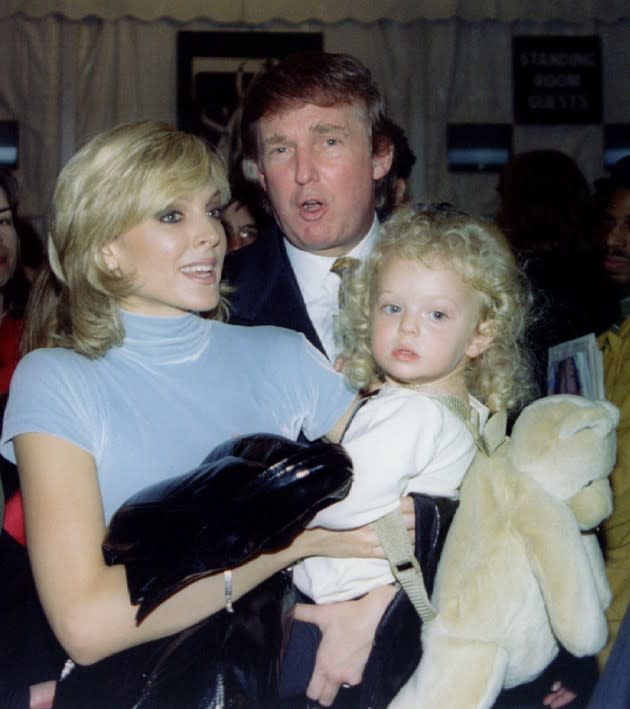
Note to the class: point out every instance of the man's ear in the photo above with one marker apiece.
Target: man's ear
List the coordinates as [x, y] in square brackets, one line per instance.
[252, 171]
[481, 340]
[400, 190]
[382, 161]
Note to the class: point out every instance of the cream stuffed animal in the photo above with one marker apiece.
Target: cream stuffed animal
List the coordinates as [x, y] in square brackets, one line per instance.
[517, 577]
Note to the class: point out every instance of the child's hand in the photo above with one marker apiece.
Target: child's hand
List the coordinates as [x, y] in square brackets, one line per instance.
[42, 695]
[559, 696]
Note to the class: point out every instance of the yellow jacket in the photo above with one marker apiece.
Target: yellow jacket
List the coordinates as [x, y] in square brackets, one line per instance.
[615, 347]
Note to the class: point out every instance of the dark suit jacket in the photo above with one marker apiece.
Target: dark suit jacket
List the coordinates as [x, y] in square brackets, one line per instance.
[267, 292]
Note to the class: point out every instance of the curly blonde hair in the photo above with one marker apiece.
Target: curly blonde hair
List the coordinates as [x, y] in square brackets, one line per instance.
[119, 179]
[480, 254]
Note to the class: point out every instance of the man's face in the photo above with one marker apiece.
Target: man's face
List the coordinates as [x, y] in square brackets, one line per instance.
[617, 237]
[317, 167]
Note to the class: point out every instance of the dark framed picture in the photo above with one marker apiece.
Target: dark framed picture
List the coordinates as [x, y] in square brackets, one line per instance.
[478, 147]
[9, 143]
[213, 71]
[616, 143]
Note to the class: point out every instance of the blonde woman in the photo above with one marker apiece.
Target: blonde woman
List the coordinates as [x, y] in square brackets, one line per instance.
[132, 386]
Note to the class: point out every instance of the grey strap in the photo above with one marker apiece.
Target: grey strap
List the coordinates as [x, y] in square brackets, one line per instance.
[494, 431]
[391, 529]
[394, 539]
[468, 415]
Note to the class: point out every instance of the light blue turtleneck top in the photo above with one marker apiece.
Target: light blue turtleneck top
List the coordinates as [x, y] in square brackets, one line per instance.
[156, 406]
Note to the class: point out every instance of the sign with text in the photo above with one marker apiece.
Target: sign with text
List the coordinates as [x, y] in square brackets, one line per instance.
[557, 79]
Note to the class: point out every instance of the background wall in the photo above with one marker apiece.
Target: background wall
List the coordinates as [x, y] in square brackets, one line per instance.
[69, 70]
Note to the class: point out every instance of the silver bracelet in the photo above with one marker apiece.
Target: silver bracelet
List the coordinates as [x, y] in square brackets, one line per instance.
[227, 582]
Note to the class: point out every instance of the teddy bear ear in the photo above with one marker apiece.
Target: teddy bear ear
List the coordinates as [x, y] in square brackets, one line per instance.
[600, 416]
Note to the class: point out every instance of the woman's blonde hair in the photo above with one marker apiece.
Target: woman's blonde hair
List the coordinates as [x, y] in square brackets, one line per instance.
[479, 253]
[119, 179]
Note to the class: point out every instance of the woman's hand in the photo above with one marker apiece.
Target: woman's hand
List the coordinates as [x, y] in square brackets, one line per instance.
[348, 630]
[360, 543]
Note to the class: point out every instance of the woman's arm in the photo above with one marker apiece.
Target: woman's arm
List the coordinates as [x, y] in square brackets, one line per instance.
[86, 601]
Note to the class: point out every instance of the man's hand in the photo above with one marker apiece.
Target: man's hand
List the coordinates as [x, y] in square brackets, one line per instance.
[348, 630]
[409, 515]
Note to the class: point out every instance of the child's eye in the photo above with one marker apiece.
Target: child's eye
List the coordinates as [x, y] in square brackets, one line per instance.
[437, 315]
[332, 141]
[169, 216]
[390, 308]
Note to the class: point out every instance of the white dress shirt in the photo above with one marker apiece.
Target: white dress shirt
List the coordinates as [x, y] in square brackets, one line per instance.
[320, 287]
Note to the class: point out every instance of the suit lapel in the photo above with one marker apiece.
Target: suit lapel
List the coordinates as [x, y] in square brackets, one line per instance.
[267, 292]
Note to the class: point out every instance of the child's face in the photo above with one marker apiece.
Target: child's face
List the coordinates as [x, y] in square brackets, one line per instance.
[425, 324]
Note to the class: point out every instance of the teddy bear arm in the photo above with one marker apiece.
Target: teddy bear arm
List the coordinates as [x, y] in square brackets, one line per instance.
[596, 560]
[592, 504]
[565, 575]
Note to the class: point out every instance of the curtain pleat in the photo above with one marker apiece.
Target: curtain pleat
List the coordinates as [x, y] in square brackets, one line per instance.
[65, 80]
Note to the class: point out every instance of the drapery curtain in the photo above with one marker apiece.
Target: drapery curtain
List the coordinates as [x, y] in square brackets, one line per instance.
[327, 11]
[65, 79]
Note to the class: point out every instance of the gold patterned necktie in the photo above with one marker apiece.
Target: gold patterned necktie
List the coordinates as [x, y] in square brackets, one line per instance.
[341, 266]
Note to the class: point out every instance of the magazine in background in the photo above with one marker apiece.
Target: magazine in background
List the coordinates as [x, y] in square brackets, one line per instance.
[576, 367]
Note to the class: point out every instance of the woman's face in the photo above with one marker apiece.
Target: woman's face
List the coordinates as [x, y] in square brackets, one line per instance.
[174, 257]
[8, 241]
[240, 226]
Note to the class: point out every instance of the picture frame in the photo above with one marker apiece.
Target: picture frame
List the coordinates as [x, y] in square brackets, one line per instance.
[213, 71]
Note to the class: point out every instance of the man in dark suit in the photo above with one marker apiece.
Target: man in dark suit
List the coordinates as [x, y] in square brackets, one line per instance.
[315, 137]
[317, 140]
